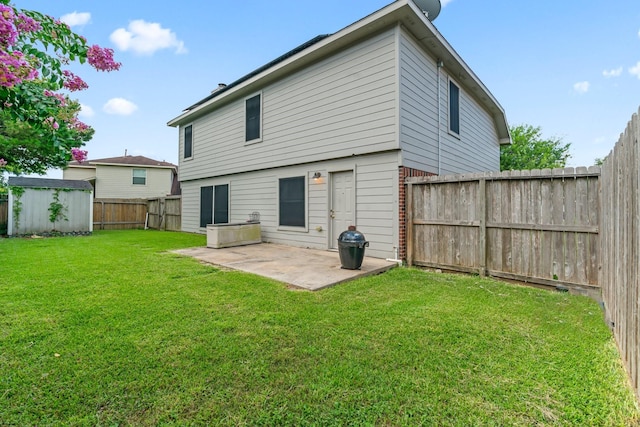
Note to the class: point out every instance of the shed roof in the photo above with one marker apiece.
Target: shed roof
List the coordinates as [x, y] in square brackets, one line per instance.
[69, 184]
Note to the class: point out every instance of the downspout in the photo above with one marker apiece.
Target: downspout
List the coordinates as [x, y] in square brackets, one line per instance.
[439, 65]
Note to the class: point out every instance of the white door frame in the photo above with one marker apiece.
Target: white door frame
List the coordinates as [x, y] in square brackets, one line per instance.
[338, 225]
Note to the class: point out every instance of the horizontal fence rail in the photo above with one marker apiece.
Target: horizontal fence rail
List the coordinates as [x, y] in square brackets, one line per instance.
[539, 226]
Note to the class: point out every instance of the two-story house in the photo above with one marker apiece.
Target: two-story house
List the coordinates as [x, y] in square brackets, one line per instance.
[126, 177]
[324, 136]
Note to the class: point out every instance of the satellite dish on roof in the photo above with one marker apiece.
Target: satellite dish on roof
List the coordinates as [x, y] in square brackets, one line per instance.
[431, 8]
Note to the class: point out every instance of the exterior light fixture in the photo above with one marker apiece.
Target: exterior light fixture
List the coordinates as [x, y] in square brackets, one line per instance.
[317, 175]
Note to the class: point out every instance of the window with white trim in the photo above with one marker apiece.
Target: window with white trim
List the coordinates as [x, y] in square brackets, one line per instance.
[454, 108]
[253, 118]
[188, 142]
[139, 177]
[292, 202]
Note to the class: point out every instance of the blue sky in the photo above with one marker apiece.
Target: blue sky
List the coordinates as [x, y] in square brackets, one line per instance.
[571, 66]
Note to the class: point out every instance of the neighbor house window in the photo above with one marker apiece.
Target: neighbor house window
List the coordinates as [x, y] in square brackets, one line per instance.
[139, 177]
[253, 107]
[292, 202]
[188, 142]
[454, 108]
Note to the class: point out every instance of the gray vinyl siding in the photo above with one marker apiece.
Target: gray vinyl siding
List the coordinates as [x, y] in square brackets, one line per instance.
[418, 107]
[116, 182]
[341, 106]
[477, 146]
[376, 179]
[78, 173]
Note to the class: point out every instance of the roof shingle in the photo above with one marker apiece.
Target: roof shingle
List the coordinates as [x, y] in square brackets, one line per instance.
[69, 184]
[126, 160]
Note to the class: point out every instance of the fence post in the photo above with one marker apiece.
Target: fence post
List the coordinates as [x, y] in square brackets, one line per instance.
[102, 217]
[163, 212]
[482, 192]
[408, 209]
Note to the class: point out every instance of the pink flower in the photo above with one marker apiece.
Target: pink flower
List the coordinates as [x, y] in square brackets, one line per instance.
[8, 32]
[79, 155]
[51, 122]
[26, 24]
[73, 82]
[14, 69]
[77, 125]
[3, 162]
[102, 59]
[61, 98]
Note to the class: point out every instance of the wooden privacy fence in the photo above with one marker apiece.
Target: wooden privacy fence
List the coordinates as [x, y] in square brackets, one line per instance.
[539, 226]
[620, 276]
[165, 213]
[119, 214]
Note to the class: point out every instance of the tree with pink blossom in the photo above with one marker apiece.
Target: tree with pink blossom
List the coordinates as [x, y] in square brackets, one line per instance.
[39, 125]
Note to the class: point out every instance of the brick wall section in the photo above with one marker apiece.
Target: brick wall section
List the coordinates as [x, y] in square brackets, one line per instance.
[405, 172]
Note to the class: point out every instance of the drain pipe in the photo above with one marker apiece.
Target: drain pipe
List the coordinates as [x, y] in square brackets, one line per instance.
[439, 65]
[396, 260]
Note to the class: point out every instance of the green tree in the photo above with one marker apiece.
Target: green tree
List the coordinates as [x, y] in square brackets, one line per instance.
[530, 150]
[39, 126]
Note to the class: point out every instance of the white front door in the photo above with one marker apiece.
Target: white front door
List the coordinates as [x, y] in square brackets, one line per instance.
[341, 205]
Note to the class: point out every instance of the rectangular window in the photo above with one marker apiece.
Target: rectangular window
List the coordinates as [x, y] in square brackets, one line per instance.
[139, 177]
[292, 202]
[252, 114]
[454, 108]
[206, 206]
[221, 204]
[188, 142]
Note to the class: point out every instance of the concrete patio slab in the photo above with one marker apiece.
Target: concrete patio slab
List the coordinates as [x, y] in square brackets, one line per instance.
[302, 268]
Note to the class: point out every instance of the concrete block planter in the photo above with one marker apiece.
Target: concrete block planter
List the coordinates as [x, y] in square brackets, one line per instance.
[233, 234]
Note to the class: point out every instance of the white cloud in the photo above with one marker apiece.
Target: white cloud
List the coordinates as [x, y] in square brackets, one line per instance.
[146, 37]
[616, 72]
[120, 106]
[635, 71]
[445, 2]
[76, 19]
[582, 87]
[86, 111]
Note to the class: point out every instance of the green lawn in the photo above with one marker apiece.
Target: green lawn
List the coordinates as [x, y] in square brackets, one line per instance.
[112, 329]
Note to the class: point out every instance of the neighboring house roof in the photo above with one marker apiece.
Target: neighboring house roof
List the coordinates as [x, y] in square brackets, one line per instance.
[69, 184]
[125, 161]
[403, 12]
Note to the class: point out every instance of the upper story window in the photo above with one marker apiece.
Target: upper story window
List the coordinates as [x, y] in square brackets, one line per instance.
[188, 142]
[253, 118]
[139, 177]
[454, 108]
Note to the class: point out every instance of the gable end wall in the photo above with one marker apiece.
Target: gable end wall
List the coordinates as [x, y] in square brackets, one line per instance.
[477, 147]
